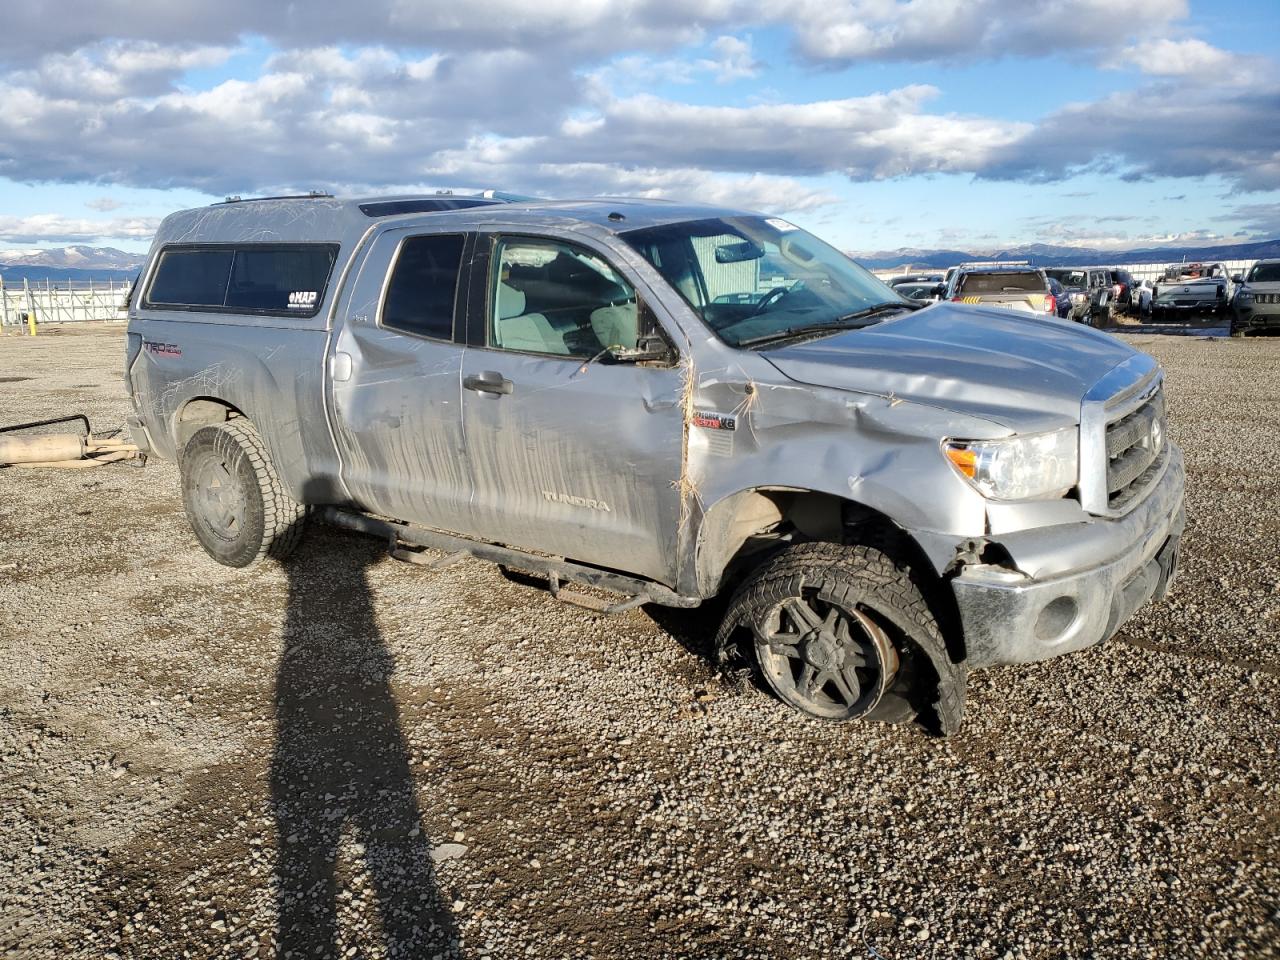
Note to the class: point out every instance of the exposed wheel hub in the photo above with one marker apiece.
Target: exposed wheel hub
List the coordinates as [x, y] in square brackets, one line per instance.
[823, 650]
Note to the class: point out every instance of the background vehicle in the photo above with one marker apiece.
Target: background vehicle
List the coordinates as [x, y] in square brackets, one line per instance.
[916, 278]
[1191, 290]
[1122, 285]
[1256, 302]
[1141, 299]
[1062, 305]
[1021, 288]
[670, 403]
[1089, 289]
[919, 289]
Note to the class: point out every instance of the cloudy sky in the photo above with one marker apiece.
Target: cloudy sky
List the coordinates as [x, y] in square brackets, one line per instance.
[877, 123]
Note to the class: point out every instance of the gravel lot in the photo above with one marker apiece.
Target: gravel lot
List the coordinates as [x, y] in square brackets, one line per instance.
[202, 762]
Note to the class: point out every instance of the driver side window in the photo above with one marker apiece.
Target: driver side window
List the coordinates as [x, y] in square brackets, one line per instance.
[559, 299]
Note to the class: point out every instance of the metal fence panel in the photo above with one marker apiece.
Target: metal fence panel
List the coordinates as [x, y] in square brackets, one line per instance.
[62, 301]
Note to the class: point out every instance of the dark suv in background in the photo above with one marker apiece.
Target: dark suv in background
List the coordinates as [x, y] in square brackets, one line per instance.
[1121, 289]
[1256, 303]
[1089, 290]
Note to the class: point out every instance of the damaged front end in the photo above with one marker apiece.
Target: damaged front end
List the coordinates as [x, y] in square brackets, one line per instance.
[1063, 588]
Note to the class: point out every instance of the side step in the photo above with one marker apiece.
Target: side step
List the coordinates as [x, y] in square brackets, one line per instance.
[554, 569]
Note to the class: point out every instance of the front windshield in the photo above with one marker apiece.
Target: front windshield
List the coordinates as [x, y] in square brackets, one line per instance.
[1265, 273]
[751, 279]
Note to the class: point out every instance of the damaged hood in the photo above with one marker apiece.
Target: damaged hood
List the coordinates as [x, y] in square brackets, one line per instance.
[1025, 373]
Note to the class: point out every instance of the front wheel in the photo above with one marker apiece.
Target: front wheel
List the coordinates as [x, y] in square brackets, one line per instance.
[235, 503]
[840, 632]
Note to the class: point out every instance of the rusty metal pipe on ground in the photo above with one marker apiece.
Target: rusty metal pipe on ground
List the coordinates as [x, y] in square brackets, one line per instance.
[64, 451]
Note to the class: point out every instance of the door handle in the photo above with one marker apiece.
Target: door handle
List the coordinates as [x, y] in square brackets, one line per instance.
[494, 384]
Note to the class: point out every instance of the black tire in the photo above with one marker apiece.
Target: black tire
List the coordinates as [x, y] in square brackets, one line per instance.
[927, 686]
[235, 503]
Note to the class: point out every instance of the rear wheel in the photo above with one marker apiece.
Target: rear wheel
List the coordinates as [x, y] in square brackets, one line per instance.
[841, 632]
[234, 501]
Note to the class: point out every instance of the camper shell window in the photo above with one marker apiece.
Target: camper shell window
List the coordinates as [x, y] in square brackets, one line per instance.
[271, 279]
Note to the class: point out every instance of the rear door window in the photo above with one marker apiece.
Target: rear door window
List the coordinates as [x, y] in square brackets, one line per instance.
[271, 279]
[423, 290]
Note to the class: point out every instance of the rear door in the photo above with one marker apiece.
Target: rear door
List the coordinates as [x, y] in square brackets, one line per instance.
[570, 454]
[394, 367]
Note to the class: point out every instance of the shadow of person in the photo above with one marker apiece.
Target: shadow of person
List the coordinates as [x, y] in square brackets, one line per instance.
[341, 771]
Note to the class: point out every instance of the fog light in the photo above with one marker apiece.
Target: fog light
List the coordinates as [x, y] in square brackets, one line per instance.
[1056, 619]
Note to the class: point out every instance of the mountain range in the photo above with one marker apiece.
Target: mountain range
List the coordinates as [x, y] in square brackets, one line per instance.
[1050, 255]
[69, 263]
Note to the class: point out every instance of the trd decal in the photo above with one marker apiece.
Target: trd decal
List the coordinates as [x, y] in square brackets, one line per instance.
[162, 349]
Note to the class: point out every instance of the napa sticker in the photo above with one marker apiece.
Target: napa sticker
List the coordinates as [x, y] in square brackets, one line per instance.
[303, 299]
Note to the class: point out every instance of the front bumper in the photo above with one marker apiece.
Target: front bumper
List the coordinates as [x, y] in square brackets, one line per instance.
[1199, 308]
[1009, 617]
[1258, 317]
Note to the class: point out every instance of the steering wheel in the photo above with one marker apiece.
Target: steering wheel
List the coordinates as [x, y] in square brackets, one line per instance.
[770, 298]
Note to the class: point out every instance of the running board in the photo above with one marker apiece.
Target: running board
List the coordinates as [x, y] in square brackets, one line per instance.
[554, 569]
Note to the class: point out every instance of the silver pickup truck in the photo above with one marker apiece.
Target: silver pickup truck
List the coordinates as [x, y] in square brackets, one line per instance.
[668, 403]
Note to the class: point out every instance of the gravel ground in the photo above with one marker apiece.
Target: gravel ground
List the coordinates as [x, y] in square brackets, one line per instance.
[203, 762]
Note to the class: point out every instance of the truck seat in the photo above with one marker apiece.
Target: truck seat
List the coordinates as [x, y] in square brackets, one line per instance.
[516, 330]
[615, 326]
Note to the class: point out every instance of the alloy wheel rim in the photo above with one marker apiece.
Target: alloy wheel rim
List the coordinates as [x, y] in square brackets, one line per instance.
[825, 659]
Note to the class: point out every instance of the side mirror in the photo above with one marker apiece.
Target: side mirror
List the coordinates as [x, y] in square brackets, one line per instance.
[940, 291]
[649, 348]
[1237, 278]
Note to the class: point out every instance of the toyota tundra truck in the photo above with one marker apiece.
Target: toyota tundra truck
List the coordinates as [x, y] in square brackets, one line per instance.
[668, 404]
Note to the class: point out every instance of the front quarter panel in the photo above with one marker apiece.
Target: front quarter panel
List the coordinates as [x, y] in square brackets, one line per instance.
[880, 452]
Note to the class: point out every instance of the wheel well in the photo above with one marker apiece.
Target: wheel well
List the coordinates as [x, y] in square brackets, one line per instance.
[202, 412]
[750, 525]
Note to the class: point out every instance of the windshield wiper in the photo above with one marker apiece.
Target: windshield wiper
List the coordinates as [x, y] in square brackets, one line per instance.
[850, 321]
[878, 308]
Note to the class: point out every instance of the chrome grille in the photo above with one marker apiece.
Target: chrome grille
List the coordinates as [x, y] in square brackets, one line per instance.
[1266, 298]
[1134, 445]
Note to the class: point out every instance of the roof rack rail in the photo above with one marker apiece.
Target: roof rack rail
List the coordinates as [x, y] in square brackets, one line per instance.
[312, 195]
[996, 263]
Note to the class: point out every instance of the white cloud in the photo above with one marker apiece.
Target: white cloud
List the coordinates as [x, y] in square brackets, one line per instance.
[56, 228]
[965, 30]
[865, 138]
[498, 93]
[1193, 59]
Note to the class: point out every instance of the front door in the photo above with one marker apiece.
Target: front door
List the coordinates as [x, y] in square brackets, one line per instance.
[395, 370]
[571, 453]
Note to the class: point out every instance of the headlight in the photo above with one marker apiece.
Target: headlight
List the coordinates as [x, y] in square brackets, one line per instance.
[1244, 296]
[1037, 466]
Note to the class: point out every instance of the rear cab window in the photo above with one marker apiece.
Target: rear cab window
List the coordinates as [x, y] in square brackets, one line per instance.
[264, 279]
[977, 284]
